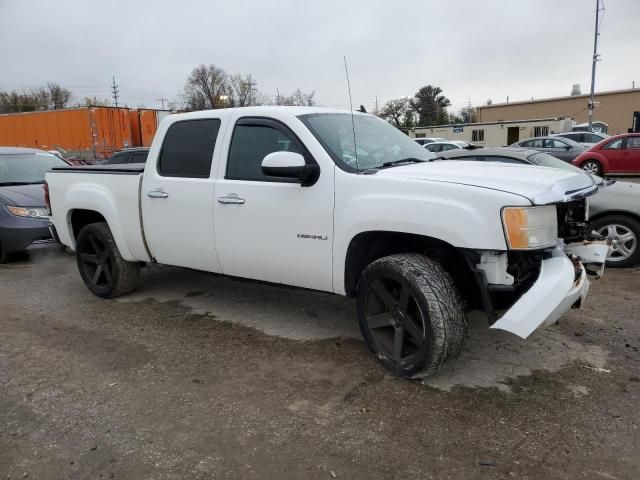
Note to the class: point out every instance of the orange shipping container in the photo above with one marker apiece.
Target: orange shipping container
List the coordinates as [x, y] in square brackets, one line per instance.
[86, 132]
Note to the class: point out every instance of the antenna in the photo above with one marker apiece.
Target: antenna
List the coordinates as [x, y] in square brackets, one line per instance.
[115, 90]
[353, 123]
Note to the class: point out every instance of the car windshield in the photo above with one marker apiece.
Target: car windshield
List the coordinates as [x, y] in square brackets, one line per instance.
[25, 168]
[377, 143]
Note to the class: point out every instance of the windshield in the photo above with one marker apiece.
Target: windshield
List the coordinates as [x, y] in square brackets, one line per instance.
[24, 168]
[377, 142]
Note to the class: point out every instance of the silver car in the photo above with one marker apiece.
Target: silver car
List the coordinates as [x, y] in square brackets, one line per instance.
[562, 148]
[588, 139]
[614, 211]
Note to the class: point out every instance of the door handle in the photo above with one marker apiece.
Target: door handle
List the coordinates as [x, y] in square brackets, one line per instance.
[232, 198]
[157, 194]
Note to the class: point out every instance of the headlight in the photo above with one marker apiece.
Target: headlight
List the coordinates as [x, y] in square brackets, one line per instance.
[528, 228]
[32, 212]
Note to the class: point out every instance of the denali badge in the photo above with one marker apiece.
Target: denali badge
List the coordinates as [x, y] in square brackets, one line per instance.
[312, 237]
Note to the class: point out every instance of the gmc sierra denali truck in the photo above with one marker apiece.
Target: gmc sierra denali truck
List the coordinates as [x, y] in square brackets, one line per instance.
[329, 200]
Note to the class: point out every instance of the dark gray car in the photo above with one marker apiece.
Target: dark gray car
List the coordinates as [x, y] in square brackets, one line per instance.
[614, 210]
[562, 148]
[23, 216]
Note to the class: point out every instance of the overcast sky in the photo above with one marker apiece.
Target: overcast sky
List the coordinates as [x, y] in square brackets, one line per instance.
[474, 50]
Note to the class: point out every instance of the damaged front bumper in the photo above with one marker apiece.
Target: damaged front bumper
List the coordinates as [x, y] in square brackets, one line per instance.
[561, 284]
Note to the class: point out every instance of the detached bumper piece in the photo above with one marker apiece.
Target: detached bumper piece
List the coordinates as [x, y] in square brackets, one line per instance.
[561, 285]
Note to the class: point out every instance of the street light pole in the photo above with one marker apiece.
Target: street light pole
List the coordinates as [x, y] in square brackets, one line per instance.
[593, 67]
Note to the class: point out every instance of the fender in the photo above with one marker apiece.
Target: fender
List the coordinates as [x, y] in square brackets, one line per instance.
[93, 197]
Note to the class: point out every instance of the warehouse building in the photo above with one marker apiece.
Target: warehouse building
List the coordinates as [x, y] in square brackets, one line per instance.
[615, 108]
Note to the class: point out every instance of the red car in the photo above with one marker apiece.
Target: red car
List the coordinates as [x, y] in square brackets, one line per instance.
[617, 154]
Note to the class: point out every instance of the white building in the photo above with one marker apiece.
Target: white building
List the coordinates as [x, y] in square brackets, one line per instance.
[495, 134]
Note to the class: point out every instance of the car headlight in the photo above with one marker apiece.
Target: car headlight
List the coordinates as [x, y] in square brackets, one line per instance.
[528, 228]
[31, 212]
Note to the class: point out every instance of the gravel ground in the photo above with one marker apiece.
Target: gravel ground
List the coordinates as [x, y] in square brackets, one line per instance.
[199, 376]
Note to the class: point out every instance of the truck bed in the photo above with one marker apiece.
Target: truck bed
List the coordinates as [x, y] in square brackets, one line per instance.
[119, 169]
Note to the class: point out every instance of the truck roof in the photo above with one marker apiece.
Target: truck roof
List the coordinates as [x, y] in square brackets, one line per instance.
[262, 110]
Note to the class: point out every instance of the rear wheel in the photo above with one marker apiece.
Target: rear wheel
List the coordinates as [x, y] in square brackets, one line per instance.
[410, 314]
[624, 234]
[101, 267]
[593, 167]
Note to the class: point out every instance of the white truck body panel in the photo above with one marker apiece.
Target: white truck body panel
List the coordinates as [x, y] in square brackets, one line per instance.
[284, 233]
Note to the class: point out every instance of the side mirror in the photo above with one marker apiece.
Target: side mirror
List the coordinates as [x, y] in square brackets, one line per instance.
[283, 164]
[568, 147]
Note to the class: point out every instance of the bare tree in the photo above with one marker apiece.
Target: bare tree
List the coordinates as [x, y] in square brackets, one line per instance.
[297, 99]
[58, 96]
[207, 87]
[395, 111]
[242, 91]
[95, 102]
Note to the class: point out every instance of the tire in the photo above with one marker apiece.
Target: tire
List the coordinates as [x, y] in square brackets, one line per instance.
[101, 267]
[592, 166]
[3, 254]
[624, 232]
[411, 297]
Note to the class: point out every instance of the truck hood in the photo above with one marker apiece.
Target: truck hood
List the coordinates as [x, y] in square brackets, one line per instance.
[540, 185]
[23, 195]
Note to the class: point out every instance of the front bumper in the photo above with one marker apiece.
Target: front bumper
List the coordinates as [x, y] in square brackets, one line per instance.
[17, 233]
[555, 291]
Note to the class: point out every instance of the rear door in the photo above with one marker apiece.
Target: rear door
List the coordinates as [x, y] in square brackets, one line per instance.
[558, 149]
[177, 196]
[269, 228]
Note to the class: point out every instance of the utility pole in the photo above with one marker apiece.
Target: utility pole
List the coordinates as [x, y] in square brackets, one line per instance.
[377, 111]
[277, 97]
[592, 103]
[250, 84]
[115, 90]
[162, 100]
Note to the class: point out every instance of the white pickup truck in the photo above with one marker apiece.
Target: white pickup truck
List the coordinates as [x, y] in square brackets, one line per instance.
[344, 203]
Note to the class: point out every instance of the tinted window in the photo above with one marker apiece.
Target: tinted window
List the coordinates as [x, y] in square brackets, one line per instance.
[615, 145]
[633, 143]
[552, 143]
[139, 157]
[590, 137]
[188, 148]
[526, 144]
[118, 159]
[250, 144]
[434, 147]
[446, 147]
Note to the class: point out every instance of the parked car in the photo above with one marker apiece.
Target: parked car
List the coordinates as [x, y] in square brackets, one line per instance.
[443, 146]
[562, 148]
[23, 216]
[276, 194]
[426, 140]
[614, 210]
[128, 155]
[588, 139]
[618, 154]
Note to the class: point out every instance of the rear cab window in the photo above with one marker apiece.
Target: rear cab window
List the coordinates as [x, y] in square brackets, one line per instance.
[187, 149]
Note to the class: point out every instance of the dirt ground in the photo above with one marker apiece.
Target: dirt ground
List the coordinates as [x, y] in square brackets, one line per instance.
[199, 376]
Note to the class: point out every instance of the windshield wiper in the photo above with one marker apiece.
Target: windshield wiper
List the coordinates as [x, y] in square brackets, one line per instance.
[13, 184]
[403, 160]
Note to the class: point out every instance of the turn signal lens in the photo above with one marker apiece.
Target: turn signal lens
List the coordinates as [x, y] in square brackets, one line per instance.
[528, 228]
[33, 212]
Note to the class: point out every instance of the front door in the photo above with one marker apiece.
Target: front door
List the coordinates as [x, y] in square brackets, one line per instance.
[558, 149]
[177, 197]
[269, 228]
[513, 135]
[613, 152]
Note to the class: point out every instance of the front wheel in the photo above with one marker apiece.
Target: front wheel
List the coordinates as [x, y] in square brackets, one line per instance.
[410, 314]
[101, 267]
[593, 167]
[624, 234]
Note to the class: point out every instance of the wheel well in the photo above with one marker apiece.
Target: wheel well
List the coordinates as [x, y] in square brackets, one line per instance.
[368, 247]
[81, 218]
[607, 213]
